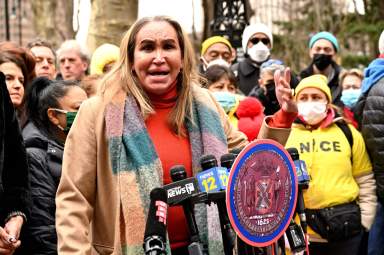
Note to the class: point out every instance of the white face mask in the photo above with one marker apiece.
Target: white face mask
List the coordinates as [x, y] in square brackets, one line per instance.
[218, 61]
[259, 52]
[312, 112]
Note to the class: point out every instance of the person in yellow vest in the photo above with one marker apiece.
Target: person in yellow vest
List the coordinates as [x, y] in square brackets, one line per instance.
[341, 200]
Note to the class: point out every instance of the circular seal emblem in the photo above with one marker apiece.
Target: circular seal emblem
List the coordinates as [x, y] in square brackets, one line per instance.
[261, 192]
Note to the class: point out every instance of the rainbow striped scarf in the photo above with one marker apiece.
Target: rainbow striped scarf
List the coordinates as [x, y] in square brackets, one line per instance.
[137, 167]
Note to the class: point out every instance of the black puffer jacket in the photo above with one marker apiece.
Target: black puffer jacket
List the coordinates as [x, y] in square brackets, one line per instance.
[373, 133]
[45, 160]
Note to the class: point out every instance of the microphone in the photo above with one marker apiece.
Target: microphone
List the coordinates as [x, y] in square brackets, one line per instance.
[212, 173]
[212, 178]
[301, 168]
[303, 180]
[295, 237]
[227, 160]
[182, 188]
[178, 176]
[155, 228]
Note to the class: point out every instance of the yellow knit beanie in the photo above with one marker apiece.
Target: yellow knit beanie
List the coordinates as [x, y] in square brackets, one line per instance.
[318, 81]
[102, 56]
[212, 40]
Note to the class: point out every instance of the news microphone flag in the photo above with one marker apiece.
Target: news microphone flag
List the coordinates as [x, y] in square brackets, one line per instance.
[155, 228]
[213, 179]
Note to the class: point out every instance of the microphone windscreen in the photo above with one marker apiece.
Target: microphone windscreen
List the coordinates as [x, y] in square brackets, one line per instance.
[178, 173]
[294, 153]
[227, 160]
[208, 161]
[157, 214]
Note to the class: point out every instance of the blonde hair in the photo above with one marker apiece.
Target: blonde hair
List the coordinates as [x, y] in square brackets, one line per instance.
[354, 71]
[121, 77]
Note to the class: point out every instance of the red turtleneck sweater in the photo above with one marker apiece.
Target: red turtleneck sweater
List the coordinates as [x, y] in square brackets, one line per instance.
[172, 150]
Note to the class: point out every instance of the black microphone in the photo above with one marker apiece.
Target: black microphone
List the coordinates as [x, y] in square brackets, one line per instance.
[303, 180]
[155, 229]
[208, 162]
[182, 188]
[227, 160]
[178, 174]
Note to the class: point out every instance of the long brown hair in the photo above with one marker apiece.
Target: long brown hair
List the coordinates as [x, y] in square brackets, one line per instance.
[23, 58]
[121, 77]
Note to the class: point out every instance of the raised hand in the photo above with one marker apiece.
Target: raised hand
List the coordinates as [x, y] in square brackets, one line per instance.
[284, 92]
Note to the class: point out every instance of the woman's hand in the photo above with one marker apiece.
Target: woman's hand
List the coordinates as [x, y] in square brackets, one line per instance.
[9, 235]
[284, 92]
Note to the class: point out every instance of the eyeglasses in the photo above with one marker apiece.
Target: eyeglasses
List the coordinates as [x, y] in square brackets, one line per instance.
[60, 110]
[256, 40]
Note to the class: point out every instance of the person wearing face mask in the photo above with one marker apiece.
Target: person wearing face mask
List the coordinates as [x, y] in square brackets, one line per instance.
[323, 49]
[52, 107]
[350, 81]
[216, 50]
[245, 113]
[369, 112]
[257, 42]
[340, 171]
[266, 92]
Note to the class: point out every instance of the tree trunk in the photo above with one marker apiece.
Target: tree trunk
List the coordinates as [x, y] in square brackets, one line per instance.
[53, 20]
[109, 21]
[208, 8]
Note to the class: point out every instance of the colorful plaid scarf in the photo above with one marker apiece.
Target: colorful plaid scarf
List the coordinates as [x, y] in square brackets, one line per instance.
[137, 167]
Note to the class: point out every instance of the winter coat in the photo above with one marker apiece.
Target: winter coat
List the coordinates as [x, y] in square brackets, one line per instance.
[87, 193]
[333, 83]
[247, 75]
[44, 159]
[14, 194]
[372, 129]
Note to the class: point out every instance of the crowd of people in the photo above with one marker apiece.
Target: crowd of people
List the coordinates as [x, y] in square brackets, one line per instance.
[85, 139]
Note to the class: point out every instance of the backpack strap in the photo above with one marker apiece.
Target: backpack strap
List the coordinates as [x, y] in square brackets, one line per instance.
[347, 132]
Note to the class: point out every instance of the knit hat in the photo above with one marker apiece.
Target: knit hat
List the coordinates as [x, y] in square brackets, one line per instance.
[327, 36]
[318, 81]
[102, 56]
[211, 41]
[381, 43]
[253, 29]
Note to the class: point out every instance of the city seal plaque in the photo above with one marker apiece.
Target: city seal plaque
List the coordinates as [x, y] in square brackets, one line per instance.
[261, 192]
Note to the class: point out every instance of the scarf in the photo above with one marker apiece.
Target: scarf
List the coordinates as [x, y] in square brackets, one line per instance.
[137, 167]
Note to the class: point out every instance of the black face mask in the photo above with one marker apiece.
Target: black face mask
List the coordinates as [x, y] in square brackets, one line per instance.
[322, 61]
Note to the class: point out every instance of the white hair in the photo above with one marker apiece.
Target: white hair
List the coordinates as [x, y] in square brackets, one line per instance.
[74, 45]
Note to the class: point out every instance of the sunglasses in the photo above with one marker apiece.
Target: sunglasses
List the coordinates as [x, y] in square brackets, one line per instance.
[256, 40]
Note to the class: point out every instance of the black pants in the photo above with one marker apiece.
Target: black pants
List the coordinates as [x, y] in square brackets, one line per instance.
[347, 247]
